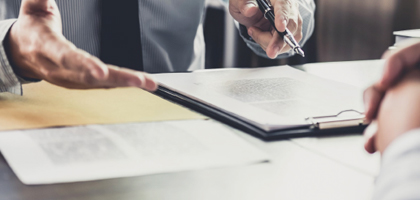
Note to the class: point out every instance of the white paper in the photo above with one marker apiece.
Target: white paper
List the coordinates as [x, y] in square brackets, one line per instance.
[347, 150]
[270, 98]
[59, 155]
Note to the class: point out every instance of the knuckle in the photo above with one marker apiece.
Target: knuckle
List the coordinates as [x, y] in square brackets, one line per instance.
[88, 78]
[80, 57]
[66, 56]
[299, 36]
[45, 73]
[231, 8]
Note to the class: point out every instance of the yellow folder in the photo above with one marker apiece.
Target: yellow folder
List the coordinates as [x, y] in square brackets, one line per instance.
[45, 105]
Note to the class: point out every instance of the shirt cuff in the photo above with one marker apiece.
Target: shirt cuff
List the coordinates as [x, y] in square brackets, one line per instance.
[9, 82]
[402, 145]
[399, 176]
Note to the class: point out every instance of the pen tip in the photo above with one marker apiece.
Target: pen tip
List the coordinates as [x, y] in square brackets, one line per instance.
[300, 52]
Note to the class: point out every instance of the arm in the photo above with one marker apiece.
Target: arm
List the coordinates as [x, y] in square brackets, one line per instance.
[38, 50]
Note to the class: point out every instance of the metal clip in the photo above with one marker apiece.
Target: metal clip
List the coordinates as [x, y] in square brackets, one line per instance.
[337, 121]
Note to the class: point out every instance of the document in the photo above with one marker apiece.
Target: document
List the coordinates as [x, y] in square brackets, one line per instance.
[270, 98]
[347, 150]
[59, 155]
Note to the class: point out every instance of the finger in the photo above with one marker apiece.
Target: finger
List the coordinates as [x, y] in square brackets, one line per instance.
[372, 98]
[370, 135]
[122, 77]
[276, 46]
[245, 12]
[118, 77]
[39, 7]
[263, 38]
[296, 28]
[397, 62]
[29, 5]
[284, 10]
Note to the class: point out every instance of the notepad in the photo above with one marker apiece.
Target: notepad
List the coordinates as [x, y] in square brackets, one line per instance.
[94, 152]
[406, 34]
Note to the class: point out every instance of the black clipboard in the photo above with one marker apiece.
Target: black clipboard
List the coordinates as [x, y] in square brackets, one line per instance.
[334, 127]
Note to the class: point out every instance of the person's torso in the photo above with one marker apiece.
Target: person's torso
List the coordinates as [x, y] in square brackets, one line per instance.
[171, 31]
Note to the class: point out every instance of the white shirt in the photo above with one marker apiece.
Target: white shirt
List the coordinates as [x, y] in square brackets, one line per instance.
[400, 169]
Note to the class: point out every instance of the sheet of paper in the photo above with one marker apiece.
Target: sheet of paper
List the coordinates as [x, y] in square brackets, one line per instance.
[93, 152]
[347, 150]
[414, 33]
[271, 98]
[45, 105]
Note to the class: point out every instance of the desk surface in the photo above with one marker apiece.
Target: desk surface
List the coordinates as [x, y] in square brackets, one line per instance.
[306, 168]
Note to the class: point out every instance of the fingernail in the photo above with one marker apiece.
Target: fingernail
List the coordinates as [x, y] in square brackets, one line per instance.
[137, 82]
[371, 130]
[250, 32]
[151, 84]
[366, 99]
[248, 6]
[367, 106]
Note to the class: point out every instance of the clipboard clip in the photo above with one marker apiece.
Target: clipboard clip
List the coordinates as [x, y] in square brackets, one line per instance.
[338, 120]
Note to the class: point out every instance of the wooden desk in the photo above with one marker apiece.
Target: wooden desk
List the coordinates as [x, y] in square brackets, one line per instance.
[308, 168]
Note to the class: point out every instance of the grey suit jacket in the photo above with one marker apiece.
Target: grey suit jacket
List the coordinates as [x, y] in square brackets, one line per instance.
[171, 33]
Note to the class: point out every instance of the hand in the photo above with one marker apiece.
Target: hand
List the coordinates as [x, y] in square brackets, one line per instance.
[397, 64]
[399, 113]
[247, 13]
[38, 50]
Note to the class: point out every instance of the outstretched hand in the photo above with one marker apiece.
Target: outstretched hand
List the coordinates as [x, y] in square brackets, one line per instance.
[247, 13]
[38, 50]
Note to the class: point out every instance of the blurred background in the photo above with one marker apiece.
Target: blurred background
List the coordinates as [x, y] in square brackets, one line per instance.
[344, 30]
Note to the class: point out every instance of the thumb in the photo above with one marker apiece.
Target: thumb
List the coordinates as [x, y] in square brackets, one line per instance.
[249, 8]
[39, 7]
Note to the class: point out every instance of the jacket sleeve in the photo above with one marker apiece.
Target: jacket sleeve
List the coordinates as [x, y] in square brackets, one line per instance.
[306, 10]
[400, 172]
[9, 82]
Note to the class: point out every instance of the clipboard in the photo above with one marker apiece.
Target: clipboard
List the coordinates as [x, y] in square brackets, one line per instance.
[317, 125]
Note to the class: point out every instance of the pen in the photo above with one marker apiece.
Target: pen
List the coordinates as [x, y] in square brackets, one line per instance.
[267, 9]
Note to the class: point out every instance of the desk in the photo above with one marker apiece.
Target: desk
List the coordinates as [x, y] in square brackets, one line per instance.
[306, 168]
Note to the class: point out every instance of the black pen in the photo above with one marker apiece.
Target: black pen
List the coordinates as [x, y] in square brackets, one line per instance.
[267, 9]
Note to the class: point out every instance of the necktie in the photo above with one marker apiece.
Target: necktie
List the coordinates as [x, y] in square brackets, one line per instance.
[120, 34]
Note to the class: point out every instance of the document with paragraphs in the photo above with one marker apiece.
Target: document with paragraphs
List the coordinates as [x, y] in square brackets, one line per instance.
[93, 152]
[271, 99]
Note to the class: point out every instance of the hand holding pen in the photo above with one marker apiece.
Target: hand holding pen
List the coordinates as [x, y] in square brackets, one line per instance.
[286, 15]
